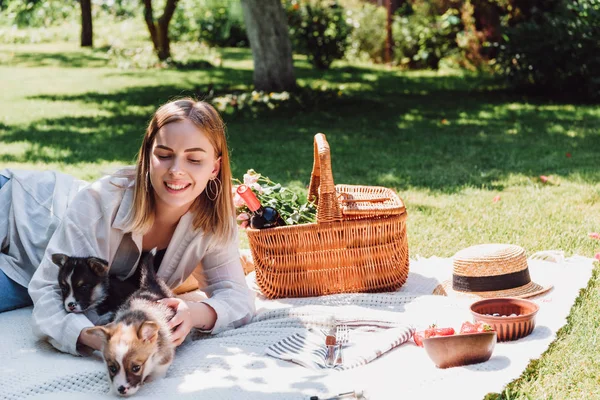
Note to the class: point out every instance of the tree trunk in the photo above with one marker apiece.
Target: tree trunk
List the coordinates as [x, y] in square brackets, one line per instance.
[389, 39]
[87, 33]
[159, 29]
[267, 31]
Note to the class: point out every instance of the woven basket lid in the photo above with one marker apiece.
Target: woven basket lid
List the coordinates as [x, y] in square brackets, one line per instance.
[491, 270]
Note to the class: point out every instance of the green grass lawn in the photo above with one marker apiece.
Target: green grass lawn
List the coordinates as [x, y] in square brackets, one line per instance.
[448, 143]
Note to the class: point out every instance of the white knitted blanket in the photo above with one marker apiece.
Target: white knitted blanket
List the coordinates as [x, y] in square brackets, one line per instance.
[233, 364]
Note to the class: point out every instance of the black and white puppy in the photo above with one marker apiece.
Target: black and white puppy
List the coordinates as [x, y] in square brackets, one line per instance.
[86, 285]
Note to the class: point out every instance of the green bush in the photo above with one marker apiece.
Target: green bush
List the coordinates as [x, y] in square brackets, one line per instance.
[421, 40]
[64, 13]
[216, 23]
[555, 52]
[318, 28]
[36, 13]
[112, 23]
[367, 40]
[121, 9]
[184, 25]
[223, 25]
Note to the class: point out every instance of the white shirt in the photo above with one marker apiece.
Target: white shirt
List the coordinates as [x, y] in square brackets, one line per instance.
[93, 226]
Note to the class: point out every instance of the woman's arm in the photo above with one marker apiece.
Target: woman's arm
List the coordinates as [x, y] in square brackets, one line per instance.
[230, 303]
[49, 319]
[225, 284]
[84, 231]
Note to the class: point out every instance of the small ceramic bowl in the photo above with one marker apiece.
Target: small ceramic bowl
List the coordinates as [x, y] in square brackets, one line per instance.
[511, 318]
[457, 350]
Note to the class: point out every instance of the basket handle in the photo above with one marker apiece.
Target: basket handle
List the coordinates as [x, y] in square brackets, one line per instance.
[322, 189]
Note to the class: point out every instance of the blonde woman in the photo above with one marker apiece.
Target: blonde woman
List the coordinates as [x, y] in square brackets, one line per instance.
[177, 199]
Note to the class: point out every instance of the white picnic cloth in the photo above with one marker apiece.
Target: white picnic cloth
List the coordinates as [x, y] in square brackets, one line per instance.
[233, 364]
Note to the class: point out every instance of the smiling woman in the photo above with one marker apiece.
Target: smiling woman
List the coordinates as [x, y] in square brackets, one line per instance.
[176, 199]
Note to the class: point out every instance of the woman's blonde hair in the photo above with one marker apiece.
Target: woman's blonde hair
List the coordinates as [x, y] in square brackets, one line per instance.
[218, 216]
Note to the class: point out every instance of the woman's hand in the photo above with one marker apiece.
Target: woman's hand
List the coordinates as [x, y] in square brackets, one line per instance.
[188, 316]
[87, 342]
[181, 324]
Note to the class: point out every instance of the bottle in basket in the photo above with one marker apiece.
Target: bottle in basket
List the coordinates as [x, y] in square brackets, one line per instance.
[262, 216]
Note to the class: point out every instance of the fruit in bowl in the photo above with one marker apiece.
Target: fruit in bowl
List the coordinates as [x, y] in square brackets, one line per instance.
[461, 349]
[474, 344]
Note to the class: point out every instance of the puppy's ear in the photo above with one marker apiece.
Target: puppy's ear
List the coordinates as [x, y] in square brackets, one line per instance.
[103, 332]
[98, 265]
[60, 259]
[148, 331]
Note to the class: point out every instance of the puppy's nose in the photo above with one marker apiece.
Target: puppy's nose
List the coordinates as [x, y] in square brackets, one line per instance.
[122, 389]
[71, 306]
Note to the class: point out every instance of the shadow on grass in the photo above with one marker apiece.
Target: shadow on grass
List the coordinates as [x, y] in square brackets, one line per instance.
[441, 133]
[394, 81]
[99, 58]
[72, 140]
[79, 59]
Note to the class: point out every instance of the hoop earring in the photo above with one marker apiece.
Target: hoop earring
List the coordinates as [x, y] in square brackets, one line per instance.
[213, 188]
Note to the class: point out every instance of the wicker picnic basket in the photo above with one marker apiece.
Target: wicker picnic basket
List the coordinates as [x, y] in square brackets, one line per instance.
[358, 243]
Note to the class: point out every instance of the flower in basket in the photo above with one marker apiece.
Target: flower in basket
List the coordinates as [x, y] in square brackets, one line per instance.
[290, 202]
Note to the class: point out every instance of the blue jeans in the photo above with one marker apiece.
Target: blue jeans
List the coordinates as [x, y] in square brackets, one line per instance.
[12, 295]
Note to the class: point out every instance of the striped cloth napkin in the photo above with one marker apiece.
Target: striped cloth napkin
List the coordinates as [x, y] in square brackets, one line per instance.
[368, 339]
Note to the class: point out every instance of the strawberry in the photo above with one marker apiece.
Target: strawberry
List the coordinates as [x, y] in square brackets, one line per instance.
[431, 331]
[444, 331]
[483, 327]
[427, 333]
[468, 327]
[418, 338]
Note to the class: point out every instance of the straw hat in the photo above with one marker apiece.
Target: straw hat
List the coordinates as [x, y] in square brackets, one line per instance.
[491, 270]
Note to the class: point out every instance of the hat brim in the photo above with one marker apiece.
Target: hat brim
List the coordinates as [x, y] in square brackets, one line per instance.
[529, 290]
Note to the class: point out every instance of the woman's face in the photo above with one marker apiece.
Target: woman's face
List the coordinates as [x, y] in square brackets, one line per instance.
[182, 161]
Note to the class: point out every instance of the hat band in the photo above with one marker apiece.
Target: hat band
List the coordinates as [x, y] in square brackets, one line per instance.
[490, 283]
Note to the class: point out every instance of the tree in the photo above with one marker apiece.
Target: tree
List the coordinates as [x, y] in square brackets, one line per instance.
[269, 39]
[87, 33]
[159, 29]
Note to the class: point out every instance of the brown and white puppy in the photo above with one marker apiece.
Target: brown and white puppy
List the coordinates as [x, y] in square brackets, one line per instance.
[137, 344]
[85, 285]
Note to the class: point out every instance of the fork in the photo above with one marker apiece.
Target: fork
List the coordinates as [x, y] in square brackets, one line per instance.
[331, 343]
[342, 336]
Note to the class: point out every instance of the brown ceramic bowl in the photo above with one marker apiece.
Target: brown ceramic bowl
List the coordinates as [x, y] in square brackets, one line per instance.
[456, 350]
[508, 327]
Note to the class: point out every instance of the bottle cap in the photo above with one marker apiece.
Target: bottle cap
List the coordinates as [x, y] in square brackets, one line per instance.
[249, 197]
